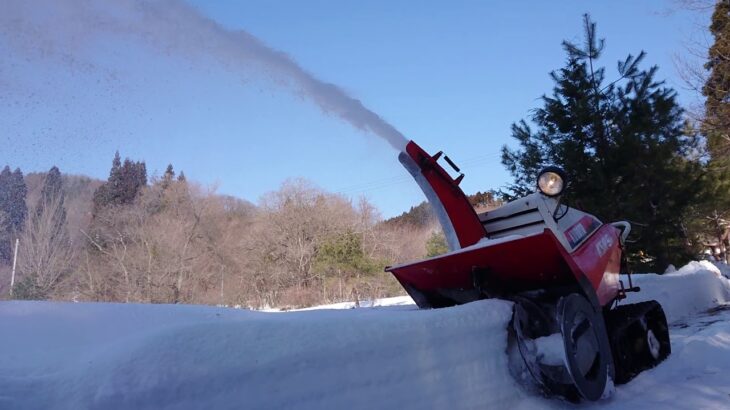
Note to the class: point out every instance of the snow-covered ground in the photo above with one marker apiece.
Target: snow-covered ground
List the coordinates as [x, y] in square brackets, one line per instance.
[106, 356]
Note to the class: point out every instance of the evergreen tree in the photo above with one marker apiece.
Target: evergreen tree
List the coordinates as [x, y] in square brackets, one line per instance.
[133, 178]
[181, 177]
[18, 210]
[169, 173]
[53, 198]
[125, 181]
[436, 244]
[52, 189]
[13, 208]
[168, 176]
[116, 167]
[5, 228]
[19, 192]
[622, 145]
[716, 124]
[344, 254]
[6, 177]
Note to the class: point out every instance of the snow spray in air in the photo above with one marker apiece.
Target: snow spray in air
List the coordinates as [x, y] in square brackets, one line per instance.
[61, 29]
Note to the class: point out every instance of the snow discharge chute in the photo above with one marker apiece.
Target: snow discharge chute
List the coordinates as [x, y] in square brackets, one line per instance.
[560, 266]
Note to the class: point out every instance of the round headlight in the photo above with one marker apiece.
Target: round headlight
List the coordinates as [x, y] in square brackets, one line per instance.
[551, 181]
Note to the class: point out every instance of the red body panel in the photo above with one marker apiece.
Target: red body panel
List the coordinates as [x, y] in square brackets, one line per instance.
[464, 219]
[527, 263]
[599, 259]
[532, 262]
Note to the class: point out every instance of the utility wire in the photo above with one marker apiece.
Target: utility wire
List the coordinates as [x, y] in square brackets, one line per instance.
[387, 182]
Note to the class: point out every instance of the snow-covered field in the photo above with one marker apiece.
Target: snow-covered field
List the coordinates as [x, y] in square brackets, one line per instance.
[106, 356]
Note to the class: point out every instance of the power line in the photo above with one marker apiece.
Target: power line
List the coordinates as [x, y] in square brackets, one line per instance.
[383, 183]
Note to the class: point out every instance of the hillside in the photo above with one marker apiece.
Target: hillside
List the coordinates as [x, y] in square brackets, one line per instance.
[169, 240]
[422, 216]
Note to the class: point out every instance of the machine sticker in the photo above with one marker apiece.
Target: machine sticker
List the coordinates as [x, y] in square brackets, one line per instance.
[603, 245]
[580, 230]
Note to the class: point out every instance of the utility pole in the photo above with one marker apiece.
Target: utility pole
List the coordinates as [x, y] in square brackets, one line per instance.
[15, 263]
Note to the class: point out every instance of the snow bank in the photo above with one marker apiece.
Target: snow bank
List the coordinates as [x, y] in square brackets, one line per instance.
[694, 288]
[62, 355]
[694, 376]
[723, 268]
[127, 356]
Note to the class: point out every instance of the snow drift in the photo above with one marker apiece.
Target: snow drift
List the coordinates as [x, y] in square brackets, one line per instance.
[155, 356]
[696, 287]
[105, 356]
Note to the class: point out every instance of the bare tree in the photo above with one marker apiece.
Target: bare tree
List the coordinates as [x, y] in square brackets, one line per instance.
[690, 64]
[164, 248]
[181, 243]
[46, 255]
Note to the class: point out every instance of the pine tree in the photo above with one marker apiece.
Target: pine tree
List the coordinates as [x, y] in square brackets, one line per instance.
[168, 176]
[623, 146]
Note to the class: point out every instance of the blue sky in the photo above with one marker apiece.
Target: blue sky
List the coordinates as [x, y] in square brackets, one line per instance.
[452, 76]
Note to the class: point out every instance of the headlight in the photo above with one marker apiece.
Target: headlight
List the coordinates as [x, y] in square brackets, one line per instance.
[551, 181]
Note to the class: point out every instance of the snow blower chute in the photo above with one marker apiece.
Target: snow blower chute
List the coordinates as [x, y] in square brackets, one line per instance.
[559, 266]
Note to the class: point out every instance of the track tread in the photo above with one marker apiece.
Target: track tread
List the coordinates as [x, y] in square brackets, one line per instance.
[627, 326]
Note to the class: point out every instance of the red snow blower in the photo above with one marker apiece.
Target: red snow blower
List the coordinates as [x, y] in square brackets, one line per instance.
[559, 266]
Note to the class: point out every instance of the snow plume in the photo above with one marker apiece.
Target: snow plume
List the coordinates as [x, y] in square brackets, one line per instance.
[66, 30]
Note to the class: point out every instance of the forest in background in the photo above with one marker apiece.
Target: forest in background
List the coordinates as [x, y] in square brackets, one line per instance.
[169, 240]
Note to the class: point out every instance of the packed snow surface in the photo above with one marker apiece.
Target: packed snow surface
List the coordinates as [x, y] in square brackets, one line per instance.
[107, 356]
